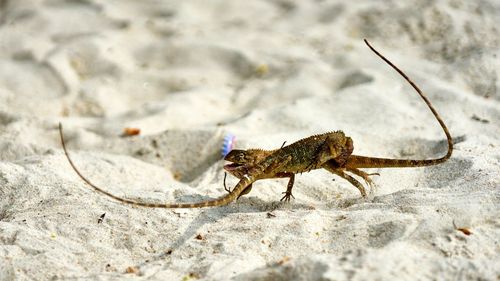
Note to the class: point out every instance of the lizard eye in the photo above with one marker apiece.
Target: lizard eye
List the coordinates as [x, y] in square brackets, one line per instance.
[236, 156]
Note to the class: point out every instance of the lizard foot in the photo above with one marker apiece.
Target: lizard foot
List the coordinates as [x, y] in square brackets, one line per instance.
[365, 176]
[287, 196]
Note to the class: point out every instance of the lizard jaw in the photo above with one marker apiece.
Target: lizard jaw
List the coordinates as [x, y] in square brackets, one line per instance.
[231, 167]
[237, 170]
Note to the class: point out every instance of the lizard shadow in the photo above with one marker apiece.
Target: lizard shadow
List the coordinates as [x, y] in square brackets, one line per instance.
[204, 217]
[243, 205]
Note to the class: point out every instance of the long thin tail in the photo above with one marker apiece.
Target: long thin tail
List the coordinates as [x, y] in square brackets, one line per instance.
[355, 161]
[224, 200]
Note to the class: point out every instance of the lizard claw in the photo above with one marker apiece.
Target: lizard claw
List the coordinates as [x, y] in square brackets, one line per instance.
[287, 196]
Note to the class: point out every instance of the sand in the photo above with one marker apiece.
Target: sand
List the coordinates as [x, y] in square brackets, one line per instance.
[188, 73]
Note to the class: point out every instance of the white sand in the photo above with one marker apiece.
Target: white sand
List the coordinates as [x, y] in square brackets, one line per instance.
[268, 72]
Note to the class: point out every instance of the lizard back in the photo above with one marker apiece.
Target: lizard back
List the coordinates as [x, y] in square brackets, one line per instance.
[302, 155]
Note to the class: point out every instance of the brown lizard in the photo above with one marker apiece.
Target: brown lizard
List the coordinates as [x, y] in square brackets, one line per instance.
[331, 151]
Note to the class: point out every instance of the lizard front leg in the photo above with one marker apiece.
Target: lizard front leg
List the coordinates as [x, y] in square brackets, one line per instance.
[273, 172]
[288, 192]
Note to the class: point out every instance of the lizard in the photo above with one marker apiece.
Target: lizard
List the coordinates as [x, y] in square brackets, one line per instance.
[241, 159]
[331, 151]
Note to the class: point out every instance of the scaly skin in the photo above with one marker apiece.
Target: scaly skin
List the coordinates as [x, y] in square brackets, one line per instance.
[302, 156]
[330, 151]
[243, 159]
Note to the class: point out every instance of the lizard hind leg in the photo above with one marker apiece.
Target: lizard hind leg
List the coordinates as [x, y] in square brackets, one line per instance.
[340, 172]
[332, 167]
[365, 176]
[352, 181]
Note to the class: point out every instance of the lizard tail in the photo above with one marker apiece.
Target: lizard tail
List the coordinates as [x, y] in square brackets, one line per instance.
[224, 200]
[355, 161]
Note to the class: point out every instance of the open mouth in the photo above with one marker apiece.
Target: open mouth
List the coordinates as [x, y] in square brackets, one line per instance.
[232, 167]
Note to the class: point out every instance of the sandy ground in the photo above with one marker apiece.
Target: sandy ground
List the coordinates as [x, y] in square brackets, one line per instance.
[187, 73]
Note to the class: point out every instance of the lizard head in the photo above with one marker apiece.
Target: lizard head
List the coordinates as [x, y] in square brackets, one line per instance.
[242, 160]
